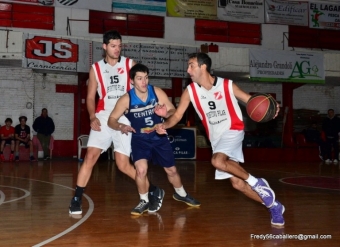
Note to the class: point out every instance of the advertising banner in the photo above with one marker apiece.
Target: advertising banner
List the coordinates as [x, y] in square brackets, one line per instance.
[102, 5]
[77, 55]
[324, 15]
[183, 142]
[286, 12]
[52, 53]
[142, 7]
[199, 9]
[283, 66]
[251, 11]
[37, 2]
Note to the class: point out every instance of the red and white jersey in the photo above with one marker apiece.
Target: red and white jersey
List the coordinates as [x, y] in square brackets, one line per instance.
[217, 108]
[113, 82]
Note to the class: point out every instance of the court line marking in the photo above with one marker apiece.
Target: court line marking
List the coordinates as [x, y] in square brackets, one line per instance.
[27, 193]
[81, 221]
[306, 186]
[2, 197]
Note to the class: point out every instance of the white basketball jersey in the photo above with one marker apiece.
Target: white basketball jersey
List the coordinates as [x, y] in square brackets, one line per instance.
[217, 108]
[113, 82]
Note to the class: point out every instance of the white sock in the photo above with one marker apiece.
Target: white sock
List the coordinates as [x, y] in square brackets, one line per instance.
[144, 197]
[251, 180]
[181, 191]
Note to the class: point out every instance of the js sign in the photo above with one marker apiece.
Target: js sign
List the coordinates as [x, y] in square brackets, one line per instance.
[51, 50]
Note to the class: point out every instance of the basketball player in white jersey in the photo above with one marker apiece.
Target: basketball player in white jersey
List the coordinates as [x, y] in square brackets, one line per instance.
[110, 79]
[216, 102]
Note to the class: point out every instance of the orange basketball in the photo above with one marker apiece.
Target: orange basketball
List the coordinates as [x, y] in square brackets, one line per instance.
[261, 107]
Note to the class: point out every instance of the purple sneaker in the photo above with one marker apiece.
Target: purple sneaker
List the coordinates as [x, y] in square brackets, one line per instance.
[276, 212]
[265, 192]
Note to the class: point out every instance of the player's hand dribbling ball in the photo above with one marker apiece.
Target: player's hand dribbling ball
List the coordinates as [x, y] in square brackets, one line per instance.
[261, 107]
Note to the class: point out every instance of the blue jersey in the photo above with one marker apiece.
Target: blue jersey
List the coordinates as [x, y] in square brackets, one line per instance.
[142, 114]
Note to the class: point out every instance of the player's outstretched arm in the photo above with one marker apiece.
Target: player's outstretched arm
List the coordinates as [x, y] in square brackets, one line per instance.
[240, 94]
[244, 97]
[164, 108]
[122, 105]
[177, 115]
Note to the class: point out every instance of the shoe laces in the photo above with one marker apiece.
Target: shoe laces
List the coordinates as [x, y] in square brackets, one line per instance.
[141, 204]
[262, 190]
[76, 202]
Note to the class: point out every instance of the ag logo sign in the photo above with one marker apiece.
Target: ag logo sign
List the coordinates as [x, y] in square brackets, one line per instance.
[67, 2]
[52, 50]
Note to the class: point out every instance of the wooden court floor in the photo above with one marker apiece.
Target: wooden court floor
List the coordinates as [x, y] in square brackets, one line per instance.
[34, 199]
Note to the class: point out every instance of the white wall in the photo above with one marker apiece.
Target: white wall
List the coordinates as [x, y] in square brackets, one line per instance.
[60, 106]
[19, 86]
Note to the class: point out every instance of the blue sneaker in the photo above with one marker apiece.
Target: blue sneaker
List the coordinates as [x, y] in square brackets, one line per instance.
[155, 200]
[188, 200]
[142, 207]
[265, 192]
[276, 214]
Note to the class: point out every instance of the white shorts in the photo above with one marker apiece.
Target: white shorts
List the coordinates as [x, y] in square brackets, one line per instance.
[229, 144]
[104, 138]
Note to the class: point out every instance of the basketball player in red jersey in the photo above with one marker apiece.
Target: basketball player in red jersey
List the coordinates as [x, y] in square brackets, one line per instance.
[215, 100]
[110, 79]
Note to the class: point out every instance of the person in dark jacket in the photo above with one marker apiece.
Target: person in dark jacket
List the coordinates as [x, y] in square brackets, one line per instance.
[44, 126]
[313, 135]
[331, 128]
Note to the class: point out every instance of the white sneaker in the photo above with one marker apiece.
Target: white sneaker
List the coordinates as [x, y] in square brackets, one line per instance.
[328, 161]
[335, 161]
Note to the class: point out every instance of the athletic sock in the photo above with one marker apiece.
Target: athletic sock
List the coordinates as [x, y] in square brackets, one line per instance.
[251, 180]
[144, 197]
[181, 191]
[79, 192]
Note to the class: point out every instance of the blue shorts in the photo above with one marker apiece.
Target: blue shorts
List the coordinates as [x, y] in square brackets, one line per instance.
[158, 151]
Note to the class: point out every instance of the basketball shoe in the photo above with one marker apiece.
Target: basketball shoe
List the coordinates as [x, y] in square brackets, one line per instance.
[276, 213]
[187, 199]
[142, 207]
[32, 158]
[265, 192]
[16, 158]
[75, 206]
[156, 200]
[2, 157]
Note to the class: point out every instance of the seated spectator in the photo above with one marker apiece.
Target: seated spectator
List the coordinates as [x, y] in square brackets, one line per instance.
[7, 137]
[23, 135]
[44, 126]
[313, 135]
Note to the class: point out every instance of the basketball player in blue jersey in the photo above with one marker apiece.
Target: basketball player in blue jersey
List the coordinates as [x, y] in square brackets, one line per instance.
[216, 102]
[145, 106]
[109, 78]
